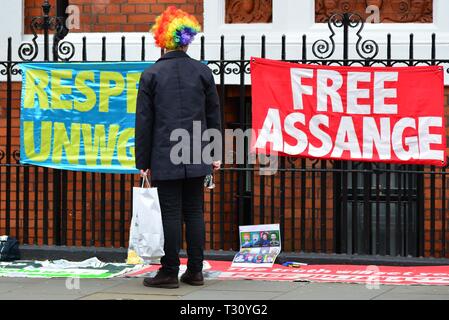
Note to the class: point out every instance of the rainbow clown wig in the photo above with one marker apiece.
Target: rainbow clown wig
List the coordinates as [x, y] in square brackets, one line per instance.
[175, 28]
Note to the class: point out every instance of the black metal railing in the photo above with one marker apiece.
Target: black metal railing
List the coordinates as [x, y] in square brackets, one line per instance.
[322, 206]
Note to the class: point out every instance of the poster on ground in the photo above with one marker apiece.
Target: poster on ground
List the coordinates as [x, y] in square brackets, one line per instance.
[88, 269]
[259, 246]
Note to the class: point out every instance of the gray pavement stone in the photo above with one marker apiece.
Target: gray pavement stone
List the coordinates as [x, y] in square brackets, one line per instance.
[440, 290]
[35, 296]
[132, 289]
[122, 296]
[63, 287]
[8, 286]
[416, 293]
[207, 294]
[21, 280]
[135, 286]
[320, 291]
[251, 285]
[395, 296]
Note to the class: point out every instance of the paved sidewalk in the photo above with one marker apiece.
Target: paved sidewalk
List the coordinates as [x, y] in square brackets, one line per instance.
[132, 289]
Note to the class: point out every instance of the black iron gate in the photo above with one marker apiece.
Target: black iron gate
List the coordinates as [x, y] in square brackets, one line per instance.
[322, 206]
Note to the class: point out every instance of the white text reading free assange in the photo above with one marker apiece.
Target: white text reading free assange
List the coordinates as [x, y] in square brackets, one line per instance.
[377, 125]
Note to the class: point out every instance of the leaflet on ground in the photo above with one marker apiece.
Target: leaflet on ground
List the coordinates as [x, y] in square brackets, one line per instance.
[259, 246]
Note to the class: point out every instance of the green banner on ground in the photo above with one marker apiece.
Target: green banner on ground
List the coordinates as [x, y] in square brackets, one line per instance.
[94, 269]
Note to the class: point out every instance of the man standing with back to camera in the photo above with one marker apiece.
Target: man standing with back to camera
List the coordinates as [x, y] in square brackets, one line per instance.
[173, 93]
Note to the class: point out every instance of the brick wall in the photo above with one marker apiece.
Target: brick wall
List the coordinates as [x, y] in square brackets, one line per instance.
[116, 15]
[263, 200]
[296, 208]
[74, 197]
[435, 218]
[19, 191]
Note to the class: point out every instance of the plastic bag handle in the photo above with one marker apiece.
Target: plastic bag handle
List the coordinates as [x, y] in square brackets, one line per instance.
[145, 178]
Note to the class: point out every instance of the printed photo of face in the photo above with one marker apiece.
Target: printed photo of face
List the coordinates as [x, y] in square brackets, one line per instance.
[255, 237]
[264, 242]
[246, 240]
[274, 240]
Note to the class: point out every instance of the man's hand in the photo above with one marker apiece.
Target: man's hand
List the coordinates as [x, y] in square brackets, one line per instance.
[216, 165]
[145, 173]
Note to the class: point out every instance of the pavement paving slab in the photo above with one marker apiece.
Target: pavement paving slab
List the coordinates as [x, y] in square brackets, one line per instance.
[14, 295]
[61, 286]
[251, 285]
[134, 286]
[206, 294]
[132, 289]
[416, 293]
[322, 291]
[121, 296]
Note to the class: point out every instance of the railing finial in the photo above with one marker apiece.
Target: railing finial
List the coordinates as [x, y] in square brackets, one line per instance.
[324, 49]
[28, 51]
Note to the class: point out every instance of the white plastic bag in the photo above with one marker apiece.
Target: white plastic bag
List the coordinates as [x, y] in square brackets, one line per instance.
[146, 236]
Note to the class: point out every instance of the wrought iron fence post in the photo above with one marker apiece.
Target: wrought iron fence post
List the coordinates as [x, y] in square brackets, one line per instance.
[60, 27]
[341, 209]
[46, 7]
[28, 52]
[346, 22]
[45, 27]
[367, 50]
[8, 135]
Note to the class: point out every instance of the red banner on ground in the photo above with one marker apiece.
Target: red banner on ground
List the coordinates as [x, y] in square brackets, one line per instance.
[377, 114]
[369, 275]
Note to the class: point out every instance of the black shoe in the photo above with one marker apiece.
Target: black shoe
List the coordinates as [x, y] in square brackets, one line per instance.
[162, 280]
[193, 278]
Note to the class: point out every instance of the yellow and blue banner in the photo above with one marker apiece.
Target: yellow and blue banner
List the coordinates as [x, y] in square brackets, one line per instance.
[80, 116]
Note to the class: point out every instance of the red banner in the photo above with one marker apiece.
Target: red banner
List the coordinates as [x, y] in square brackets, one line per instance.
[376, 114]
[368, 275]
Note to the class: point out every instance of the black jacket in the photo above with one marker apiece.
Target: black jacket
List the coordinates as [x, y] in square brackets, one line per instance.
[173, 93]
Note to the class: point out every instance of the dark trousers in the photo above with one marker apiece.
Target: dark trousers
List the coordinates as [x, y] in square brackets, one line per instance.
[182, 199]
